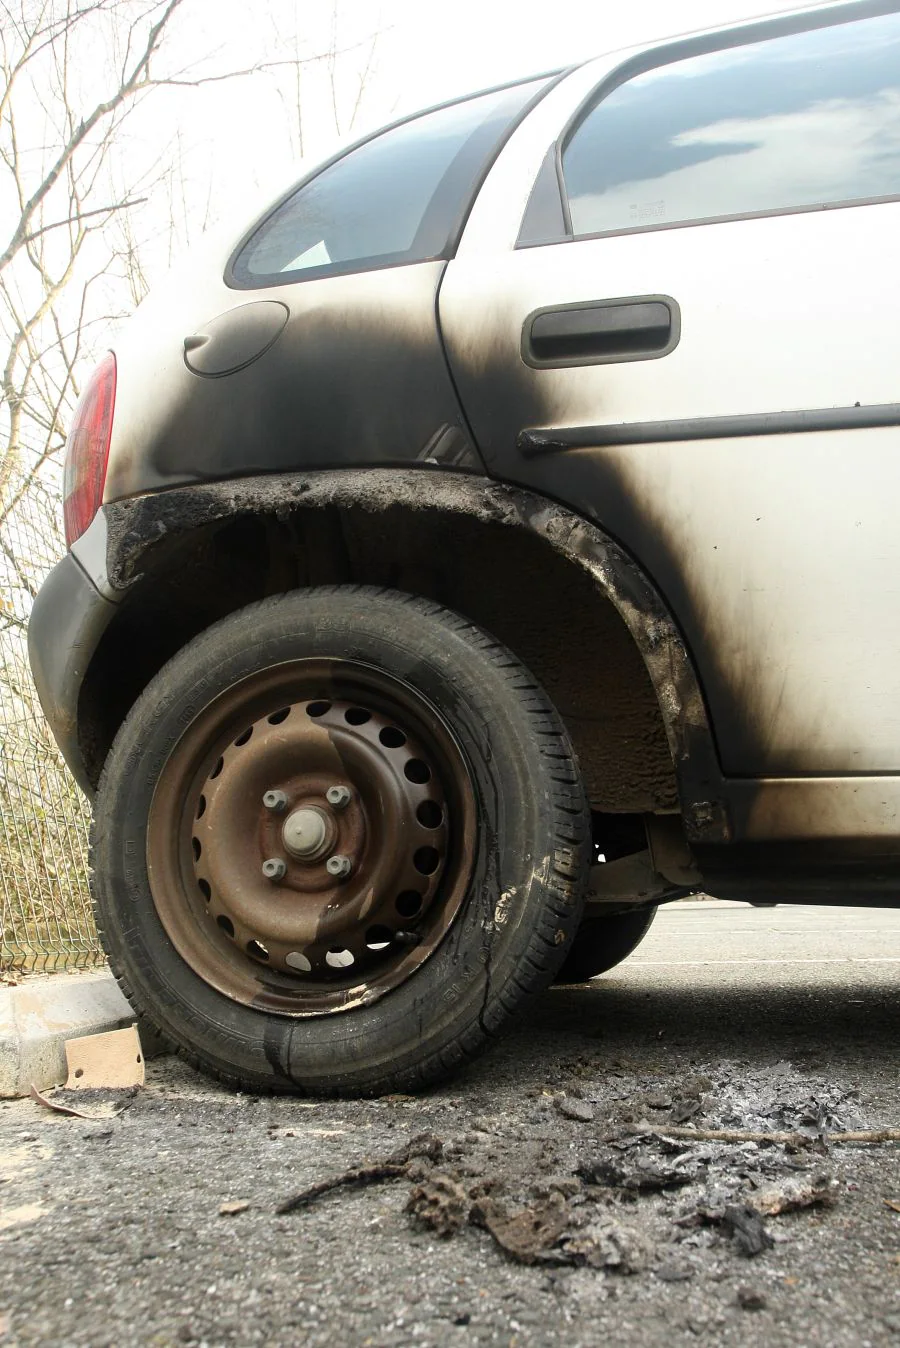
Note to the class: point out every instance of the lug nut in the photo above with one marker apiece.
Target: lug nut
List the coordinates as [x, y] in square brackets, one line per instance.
[338, 796]
[275, 800]
[274, 869]
[339, 867]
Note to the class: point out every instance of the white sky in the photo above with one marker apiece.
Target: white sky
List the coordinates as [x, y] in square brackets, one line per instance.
[425, 53]
[486, 41]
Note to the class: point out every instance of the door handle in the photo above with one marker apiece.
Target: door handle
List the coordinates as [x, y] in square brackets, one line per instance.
[643, 327]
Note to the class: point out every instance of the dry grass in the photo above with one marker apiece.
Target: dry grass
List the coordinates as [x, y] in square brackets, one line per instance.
[45, 911]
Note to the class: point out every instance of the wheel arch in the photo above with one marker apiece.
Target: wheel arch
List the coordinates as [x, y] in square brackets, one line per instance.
[559, 592]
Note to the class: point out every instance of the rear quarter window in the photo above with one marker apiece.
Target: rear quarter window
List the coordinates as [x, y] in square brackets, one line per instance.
[397, 198]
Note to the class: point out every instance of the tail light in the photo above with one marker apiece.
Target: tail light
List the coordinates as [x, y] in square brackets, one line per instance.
[87, 450]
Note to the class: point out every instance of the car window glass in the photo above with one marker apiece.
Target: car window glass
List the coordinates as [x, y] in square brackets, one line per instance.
[395, 198]
[793, 122]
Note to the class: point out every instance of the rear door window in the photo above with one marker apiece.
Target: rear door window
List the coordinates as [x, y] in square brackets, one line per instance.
[792, 123]
[397, 198]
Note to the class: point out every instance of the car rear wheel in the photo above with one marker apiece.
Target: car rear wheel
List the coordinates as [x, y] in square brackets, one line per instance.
[339, 842]
[603, 942]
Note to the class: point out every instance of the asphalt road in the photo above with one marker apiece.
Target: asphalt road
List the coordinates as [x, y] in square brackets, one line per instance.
[111, 1232]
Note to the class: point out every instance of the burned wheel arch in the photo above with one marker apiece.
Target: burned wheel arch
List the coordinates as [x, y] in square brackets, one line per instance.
[565, 598]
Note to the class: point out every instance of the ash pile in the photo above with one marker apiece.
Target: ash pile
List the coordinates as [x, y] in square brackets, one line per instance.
[626, 1176]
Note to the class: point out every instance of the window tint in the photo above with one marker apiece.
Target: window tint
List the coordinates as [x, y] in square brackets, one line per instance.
[396, 198]
[793, 122]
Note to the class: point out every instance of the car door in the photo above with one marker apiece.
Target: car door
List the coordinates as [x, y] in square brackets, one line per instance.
[675, 309]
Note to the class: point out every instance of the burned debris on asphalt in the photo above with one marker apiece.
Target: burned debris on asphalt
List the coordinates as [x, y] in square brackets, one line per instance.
[623, 1188]
[484, 1206]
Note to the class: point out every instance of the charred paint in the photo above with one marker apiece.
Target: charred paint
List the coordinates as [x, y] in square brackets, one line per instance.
[139, 528]
[357, 377]
[501, 396]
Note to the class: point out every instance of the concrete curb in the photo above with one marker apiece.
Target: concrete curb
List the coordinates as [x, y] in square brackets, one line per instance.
[40, 1014]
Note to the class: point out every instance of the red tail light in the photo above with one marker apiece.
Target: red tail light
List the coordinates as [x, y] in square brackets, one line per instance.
[87, 450]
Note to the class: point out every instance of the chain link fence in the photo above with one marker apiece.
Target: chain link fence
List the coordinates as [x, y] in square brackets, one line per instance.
[46, 921]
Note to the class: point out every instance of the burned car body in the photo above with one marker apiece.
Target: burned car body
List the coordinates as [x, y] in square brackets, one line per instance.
[602, 363]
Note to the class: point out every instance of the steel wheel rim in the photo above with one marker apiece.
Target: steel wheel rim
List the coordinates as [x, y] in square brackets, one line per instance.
[305, 940]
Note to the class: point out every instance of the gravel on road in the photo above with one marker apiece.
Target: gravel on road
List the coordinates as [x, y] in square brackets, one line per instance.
[538, 1198]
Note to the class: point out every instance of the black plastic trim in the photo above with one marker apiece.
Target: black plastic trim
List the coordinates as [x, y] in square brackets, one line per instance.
[557, 439]
[538, 362]
[545, 215]
[67, 623]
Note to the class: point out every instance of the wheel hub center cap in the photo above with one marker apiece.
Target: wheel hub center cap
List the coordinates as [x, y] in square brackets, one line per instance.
[306, 833]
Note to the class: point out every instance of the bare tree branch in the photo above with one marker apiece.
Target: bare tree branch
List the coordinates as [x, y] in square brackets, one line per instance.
[83, 215]
[136, 80]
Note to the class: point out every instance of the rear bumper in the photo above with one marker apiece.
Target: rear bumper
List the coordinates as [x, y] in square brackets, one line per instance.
[67, 622]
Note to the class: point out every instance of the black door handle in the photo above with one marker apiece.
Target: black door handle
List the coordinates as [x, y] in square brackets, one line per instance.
[641, 328]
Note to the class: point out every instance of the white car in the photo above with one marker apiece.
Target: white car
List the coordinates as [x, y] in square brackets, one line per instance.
[508, 516]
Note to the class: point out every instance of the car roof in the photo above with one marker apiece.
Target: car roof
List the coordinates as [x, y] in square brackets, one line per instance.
[671, 46]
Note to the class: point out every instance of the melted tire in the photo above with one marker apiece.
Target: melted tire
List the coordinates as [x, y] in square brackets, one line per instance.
[523, 903]
[604, 942]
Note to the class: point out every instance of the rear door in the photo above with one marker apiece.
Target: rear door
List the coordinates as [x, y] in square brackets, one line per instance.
[691, 333]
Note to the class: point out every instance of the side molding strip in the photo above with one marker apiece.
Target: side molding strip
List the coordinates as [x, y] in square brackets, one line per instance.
[557, 439]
